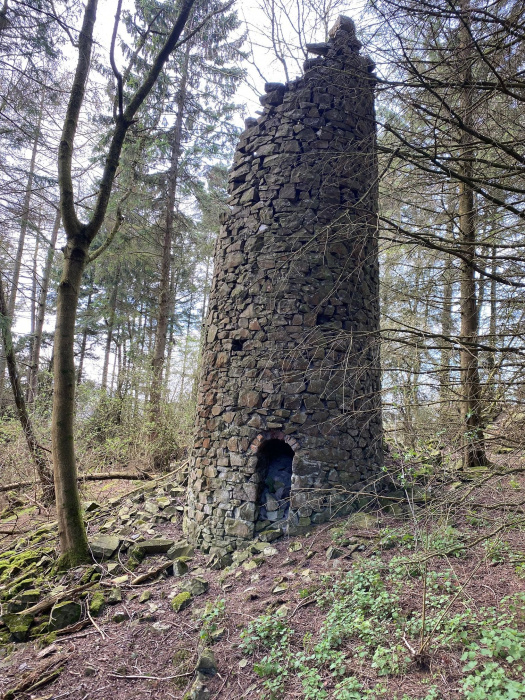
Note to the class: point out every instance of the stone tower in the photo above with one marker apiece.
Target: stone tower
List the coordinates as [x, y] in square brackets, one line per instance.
[289, 417]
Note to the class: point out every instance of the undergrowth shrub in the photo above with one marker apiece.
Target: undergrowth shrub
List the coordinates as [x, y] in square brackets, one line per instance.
[364, 621]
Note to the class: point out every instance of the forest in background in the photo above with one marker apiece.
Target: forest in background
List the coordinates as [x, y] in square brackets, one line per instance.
[451, 161]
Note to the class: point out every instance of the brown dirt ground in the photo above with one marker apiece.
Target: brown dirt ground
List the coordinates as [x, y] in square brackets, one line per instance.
[104, 662]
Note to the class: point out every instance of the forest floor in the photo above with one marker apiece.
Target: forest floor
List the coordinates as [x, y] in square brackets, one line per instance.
[424, 603]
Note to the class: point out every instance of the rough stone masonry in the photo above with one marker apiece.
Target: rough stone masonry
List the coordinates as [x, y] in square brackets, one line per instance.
[289, 416]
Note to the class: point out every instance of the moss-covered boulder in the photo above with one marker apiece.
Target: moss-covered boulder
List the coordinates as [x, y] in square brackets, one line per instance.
[90, 574]
[14, 564]
[64, 614]
[23, 585]
[120, 616]
[25, 600]
[18, 625]
[97, 603]
[136, 556]
[180, 601]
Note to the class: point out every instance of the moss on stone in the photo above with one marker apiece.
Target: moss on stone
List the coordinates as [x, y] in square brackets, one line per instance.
[40, 629]
[7, 556]
[136, 557]
[13, 563]
[64, 614]
[88, 575]
[24, 600]
[25, 584]
[18, 625]
[47, 639]
[181, 601]
[97, 603]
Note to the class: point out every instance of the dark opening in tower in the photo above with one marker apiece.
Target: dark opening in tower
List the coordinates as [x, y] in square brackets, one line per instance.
[275, 470]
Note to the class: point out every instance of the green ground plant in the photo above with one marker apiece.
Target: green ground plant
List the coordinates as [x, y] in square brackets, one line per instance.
[210, 618]
[365, 624]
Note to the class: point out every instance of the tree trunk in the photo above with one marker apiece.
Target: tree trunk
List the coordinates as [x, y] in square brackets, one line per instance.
[35, 450]
[165, 300]
[72, 534]
[490, 392]
[34, 310]
[73, 539]
[41, 311]
[186, 351]
[114, 369]
[109, 337]
[445, 392]
[83, 344]
[472, 425]
[21, 240]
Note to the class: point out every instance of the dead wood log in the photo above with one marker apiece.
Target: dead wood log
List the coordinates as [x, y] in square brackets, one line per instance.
[151, 573]
[74, 628]
[106, 476]
[48, 602]
[17, 485]
[42, 674]
[102, 476]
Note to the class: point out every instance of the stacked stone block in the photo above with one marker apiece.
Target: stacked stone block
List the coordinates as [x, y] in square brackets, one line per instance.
[291, 347]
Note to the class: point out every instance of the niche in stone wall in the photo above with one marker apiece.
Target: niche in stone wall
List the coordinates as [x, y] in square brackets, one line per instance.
[275, 459]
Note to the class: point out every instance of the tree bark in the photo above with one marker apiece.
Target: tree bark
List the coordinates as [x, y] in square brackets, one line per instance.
[72, 534]
[490, 391]
[472, 423]
[445, 393]
[34, 310]
[35, 450]
[186, 351]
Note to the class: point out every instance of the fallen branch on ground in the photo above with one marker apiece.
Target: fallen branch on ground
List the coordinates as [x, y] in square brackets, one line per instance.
[106, 476]
[14, 531]
[71, 629]
[151, 678]
[151, 573]
[48, 602]
[44, 673]
[17, 485]
[102, 476]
